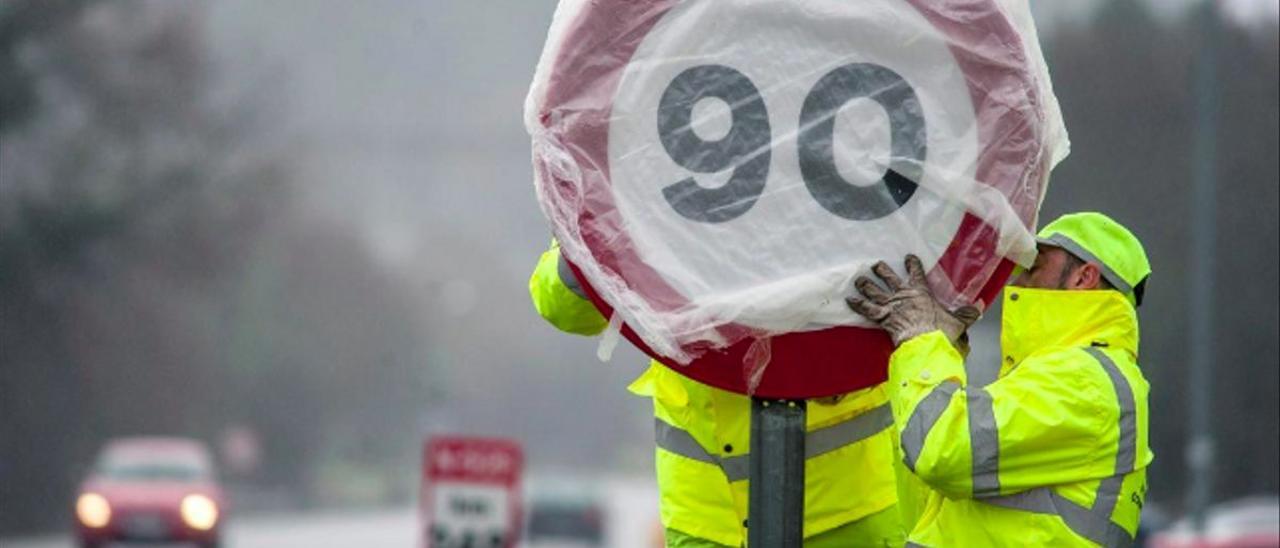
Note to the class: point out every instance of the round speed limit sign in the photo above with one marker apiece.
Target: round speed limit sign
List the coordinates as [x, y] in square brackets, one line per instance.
[717, 171]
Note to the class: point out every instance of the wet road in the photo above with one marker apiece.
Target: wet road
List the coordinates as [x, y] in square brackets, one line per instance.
[632, 519]
[350, 528]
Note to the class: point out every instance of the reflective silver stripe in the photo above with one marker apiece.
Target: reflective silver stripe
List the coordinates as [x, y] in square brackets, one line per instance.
[567, 278]
[1039, 500]
[1127, 455]
[1100, 528]
[818, 442]
[737, 468]
[1082, 521]
[1116, 535]
[922, 419]
[984, 442]
[827, 439]
[1127, 450]
[1060, 240]
[1094, 523]
[681, 443]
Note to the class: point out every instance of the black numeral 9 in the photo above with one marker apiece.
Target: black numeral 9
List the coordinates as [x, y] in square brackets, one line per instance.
[745, 148]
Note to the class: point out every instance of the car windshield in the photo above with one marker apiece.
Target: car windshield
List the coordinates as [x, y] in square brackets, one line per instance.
[151, 470]
[565, 523]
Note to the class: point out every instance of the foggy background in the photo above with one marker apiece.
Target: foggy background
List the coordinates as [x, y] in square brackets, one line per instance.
[312, 224]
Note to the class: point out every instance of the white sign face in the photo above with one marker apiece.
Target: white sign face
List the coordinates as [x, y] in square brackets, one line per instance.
[822, 144]
[462, 511]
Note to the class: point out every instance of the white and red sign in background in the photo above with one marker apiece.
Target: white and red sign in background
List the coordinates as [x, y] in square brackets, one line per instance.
[717, 171]
[471, 492]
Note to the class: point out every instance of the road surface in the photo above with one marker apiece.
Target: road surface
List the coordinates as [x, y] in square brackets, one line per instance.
[632, 509]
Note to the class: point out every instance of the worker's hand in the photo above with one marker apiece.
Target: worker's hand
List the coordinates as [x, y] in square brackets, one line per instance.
[908, 310]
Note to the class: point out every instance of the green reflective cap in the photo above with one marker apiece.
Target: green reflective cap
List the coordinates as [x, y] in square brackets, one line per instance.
[1096, 238]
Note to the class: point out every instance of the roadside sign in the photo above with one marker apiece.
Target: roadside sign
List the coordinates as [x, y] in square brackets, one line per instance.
[471, 492]
[723, 168]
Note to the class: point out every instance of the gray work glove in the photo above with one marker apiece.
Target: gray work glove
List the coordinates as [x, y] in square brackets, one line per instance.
[909, 310]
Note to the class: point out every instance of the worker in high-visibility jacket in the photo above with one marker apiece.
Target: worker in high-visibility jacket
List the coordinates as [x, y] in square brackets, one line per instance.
[702, 438]
[1054, 451]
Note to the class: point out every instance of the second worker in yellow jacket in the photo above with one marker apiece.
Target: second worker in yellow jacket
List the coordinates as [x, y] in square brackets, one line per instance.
[1053, 452]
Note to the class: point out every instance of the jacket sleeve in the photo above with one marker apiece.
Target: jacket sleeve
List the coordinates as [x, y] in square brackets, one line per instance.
[559, 299]
[1047, 422]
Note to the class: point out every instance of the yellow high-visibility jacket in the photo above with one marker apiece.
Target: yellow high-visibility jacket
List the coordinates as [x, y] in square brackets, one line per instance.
[1052, 453]
[703, 436]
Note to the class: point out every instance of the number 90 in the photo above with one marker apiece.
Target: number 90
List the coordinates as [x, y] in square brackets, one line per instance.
[747, 146]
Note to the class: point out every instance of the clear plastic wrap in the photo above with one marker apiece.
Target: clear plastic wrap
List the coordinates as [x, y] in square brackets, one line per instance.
[719, 170]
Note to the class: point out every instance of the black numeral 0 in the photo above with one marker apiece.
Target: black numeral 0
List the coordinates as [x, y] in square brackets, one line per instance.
[745, 148]
[906, 145]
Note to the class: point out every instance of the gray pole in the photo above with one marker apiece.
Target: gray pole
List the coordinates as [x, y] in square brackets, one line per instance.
[775, 517]
[1200, 447]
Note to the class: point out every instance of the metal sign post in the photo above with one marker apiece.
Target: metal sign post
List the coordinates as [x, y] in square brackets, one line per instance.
[776, 492]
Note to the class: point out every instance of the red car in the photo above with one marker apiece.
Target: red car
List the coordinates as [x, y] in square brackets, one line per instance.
[150, 489]
[1245, 523]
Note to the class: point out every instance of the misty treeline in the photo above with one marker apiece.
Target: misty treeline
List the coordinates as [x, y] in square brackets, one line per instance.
[158, 276]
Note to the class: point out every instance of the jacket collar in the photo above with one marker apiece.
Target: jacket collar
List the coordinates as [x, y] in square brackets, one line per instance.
[1040, 320]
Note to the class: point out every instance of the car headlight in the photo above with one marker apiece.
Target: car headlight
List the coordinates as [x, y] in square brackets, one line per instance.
[199, 512]
[93, 510]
